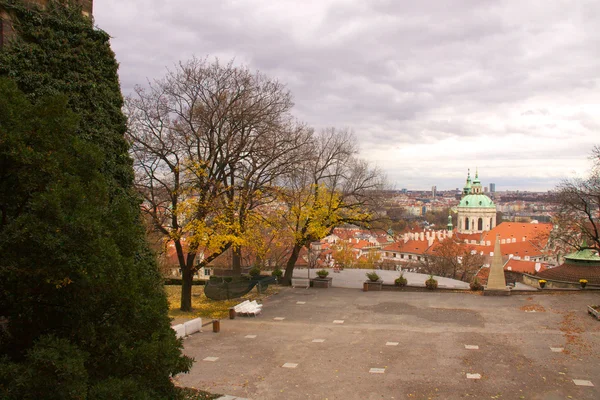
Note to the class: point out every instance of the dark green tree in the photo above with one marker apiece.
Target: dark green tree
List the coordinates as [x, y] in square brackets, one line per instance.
[82, 308]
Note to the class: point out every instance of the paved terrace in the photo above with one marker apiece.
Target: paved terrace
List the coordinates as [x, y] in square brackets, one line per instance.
[347, 344]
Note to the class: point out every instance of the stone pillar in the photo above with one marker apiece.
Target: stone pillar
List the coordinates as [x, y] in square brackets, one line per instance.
[496, 284]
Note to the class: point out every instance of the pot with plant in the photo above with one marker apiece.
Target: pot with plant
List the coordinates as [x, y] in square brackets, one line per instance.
[374, 283]
[583, 283]
[322, 273]
[400, 281]
[542, 283]
[431, 283]
[322, 281]
[277, 274]
[254, 272]
[476, 285]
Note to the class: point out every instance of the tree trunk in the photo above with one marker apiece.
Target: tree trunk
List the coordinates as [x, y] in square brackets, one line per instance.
[289, 267]
[236, 260]
[187, 275]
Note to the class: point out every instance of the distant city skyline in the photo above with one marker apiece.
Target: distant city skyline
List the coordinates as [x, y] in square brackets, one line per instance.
[429, 88]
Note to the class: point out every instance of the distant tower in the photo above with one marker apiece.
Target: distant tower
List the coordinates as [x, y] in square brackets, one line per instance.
[476, 211]
[433, 191]
[492, 188]
[450, 226]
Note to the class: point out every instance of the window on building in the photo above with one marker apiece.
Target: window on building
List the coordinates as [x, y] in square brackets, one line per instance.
[410, 257]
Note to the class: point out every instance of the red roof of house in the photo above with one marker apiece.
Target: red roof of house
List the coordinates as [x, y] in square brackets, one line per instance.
[412, 246]
[517, 249]
[520, 230]
[512, 265]
[568, 272]
[524, 267]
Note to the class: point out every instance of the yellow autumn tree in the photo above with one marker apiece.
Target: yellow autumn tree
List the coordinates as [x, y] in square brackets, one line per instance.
[329, 188]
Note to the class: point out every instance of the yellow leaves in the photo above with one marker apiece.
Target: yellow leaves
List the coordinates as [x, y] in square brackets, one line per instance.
[60, 283]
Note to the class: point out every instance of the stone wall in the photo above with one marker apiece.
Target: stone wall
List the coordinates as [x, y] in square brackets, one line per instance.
[551, 284]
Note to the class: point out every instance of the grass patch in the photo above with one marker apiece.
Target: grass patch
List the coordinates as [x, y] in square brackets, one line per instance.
[207, 308]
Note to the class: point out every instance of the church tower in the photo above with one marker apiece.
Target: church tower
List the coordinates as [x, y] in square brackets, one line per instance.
[476, 211]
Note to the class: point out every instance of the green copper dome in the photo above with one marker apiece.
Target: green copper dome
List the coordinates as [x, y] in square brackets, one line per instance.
[476, 201]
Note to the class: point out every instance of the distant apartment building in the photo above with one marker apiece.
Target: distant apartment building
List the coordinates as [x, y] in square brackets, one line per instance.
[433, 191]
[6, 25]
[492, 188]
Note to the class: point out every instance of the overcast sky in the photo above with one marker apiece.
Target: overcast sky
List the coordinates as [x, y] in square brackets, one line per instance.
[430, 88]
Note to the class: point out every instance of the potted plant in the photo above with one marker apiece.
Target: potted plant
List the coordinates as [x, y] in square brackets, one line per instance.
[542, 283]
[476, 285]
[431, 283]
[277, 274]
[583, 283]
[322, 274]
[374, 283]
[322, 281]
[400, 281]
[254, 272]
[373, 277]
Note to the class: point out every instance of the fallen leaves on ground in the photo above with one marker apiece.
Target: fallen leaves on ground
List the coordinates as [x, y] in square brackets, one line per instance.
[205, 307]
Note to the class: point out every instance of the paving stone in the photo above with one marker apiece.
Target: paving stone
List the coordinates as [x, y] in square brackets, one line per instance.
[473, 376]
[338, 321]
[228, 397]
[581, 382]
[471, 347]
[279, 318]
[377, 370]
[391, 343]
[289, 365]
[557, 349]
[210, 359]
[318, 340]
[300, 302]
[250, 336]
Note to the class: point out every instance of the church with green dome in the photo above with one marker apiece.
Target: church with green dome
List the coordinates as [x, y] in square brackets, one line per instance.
[476, 211]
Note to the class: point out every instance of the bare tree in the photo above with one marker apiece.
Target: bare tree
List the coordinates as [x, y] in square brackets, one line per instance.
[209, 141]
[451, 259]
[577, 222]
[329, 187]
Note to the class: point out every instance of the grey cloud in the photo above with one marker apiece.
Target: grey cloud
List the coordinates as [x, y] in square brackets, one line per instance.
[397, 72]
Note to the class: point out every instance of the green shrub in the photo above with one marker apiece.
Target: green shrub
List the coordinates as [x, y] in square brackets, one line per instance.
[254, 272]
[322, 273]
[400, 281]
[431, 283]
[476, 285]
[373, 277]
[277, 273]
[81, 290]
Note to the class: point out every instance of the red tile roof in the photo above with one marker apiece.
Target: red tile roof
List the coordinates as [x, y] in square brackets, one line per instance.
[572, 273]
[518, 230]
[524, 267]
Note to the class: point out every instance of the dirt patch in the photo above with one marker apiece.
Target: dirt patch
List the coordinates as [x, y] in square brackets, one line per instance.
[456, 316]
